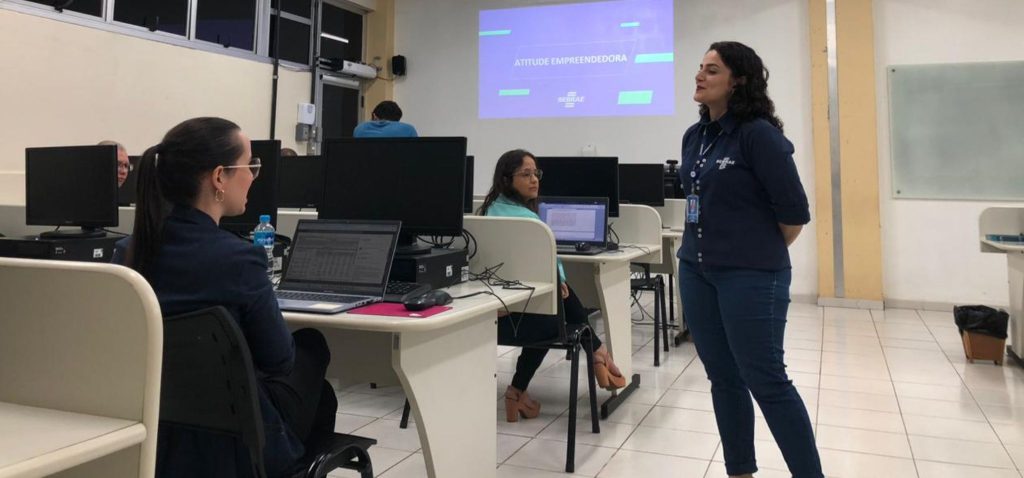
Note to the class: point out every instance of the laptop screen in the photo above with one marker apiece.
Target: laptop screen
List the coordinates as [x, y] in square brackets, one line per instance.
[343, 257]
[576, 219]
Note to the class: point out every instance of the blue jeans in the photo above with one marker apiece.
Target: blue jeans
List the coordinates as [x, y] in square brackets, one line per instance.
[738, 320]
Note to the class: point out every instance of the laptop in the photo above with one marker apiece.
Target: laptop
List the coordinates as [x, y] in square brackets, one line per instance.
[580, 224]
[337, 265]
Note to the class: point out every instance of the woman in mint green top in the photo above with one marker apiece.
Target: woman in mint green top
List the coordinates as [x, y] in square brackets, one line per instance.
[514, 194]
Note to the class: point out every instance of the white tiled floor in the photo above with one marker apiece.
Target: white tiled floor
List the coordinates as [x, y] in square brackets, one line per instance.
[889, 392]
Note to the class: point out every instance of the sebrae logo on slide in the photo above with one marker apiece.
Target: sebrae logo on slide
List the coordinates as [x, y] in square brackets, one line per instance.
[570, 99]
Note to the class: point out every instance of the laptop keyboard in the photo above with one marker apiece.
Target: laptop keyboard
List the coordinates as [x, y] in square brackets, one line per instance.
[401, 288]
[315, 297]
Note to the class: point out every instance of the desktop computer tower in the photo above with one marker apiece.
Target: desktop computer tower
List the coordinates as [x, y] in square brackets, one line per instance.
[440, 268]
[98, 249]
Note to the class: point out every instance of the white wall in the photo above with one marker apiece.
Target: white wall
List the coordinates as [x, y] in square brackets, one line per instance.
[439, 95]
[930, 248]
[65, 84]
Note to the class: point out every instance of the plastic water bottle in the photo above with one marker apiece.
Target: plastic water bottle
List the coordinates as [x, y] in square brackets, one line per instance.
[263, 235]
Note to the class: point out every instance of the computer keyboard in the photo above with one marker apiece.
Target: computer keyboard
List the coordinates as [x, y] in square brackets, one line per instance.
[316, 297]
[399, 291]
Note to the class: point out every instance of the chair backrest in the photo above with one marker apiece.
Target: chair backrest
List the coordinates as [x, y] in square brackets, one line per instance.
[209, 382]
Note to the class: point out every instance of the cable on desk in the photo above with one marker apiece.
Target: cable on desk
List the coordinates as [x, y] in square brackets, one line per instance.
[446, 242]
[612, 233]
[645, 250]
[490, 279]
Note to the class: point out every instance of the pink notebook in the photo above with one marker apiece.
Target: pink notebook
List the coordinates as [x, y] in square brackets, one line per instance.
[388, 309]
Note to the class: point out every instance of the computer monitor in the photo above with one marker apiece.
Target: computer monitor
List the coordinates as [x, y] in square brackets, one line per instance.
[642, 184]
[581, 177]
[71, 186]
[126, 194]
[418, 181]
[262, 197]
[576, 219]
[300, 181]
[467, 197]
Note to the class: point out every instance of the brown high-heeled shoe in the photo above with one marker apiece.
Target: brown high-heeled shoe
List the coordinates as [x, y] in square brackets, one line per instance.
[605, 378]
[519, 404]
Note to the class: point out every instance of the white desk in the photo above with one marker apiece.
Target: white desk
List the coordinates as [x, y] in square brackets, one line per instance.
[38, 441]
[672, 239]
[1009, 221]
[446, 363]
[603, 281]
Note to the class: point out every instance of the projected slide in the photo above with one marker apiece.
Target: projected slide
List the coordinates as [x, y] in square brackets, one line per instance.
[581, 59]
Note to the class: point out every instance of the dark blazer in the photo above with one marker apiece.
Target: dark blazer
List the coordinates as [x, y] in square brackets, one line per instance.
[198, 266]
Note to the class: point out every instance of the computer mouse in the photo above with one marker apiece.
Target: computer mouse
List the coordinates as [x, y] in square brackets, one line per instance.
[582, 246]
[428, 300]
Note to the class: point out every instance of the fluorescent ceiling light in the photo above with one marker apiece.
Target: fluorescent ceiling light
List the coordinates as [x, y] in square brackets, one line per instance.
[333, 37]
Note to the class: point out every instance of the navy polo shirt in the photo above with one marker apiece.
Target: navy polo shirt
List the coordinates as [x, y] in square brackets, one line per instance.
[748, 184]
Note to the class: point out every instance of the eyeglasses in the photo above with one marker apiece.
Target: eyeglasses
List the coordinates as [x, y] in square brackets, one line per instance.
[254, 167]
[125, 167]
[526, 174]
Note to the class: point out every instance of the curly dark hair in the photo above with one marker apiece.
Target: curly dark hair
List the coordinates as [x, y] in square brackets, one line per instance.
[750, 97]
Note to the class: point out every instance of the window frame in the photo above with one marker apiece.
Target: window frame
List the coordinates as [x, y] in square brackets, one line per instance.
[264, 17]
[106, 23]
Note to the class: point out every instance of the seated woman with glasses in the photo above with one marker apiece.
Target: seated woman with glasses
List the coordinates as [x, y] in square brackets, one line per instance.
[199, 173]
[514, 194]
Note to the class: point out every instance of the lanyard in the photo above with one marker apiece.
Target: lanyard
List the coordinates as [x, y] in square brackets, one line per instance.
[699, 164]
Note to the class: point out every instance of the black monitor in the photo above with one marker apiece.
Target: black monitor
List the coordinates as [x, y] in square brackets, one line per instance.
[126, 194]
[262, 197]
[300, 181]
[642, 184]
[467, 198]
[584, 176]
[71, 186]
[418, 181]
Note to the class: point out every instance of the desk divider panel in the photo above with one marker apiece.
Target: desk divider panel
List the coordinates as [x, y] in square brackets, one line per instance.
[84, 338]
[526, 247]
[639, 224]
[672, 213]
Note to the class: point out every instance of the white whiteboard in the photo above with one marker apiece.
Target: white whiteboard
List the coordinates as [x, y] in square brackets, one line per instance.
[957, 130]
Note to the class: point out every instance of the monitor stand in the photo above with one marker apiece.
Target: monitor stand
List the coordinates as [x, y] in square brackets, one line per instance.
[83, 233]
[408, 245]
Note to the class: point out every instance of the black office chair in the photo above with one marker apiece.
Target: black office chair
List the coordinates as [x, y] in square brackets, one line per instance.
[571, 340]
[209, 384]
[654, 283]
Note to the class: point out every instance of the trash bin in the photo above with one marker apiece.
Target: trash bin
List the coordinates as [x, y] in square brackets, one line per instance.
[983, 330]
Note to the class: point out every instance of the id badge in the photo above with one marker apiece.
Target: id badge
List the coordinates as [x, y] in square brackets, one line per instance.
[692, 209]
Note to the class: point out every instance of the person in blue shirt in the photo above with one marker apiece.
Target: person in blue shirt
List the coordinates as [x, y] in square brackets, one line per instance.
[514, 194]
[199, 173]
[745, 206]
[385, 123]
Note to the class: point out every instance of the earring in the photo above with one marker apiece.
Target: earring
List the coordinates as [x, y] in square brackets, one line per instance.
[219, 195]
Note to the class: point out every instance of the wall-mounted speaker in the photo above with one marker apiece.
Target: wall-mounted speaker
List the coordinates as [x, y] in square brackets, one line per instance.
[398, 65]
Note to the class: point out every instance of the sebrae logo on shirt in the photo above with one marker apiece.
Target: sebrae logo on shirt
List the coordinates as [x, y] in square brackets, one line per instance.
[724, 163]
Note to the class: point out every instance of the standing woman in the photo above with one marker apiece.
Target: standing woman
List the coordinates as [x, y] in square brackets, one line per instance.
[744, 207]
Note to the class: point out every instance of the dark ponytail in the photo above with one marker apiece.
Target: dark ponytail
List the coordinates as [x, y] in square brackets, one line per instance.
[507, 166]
[169, 175]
